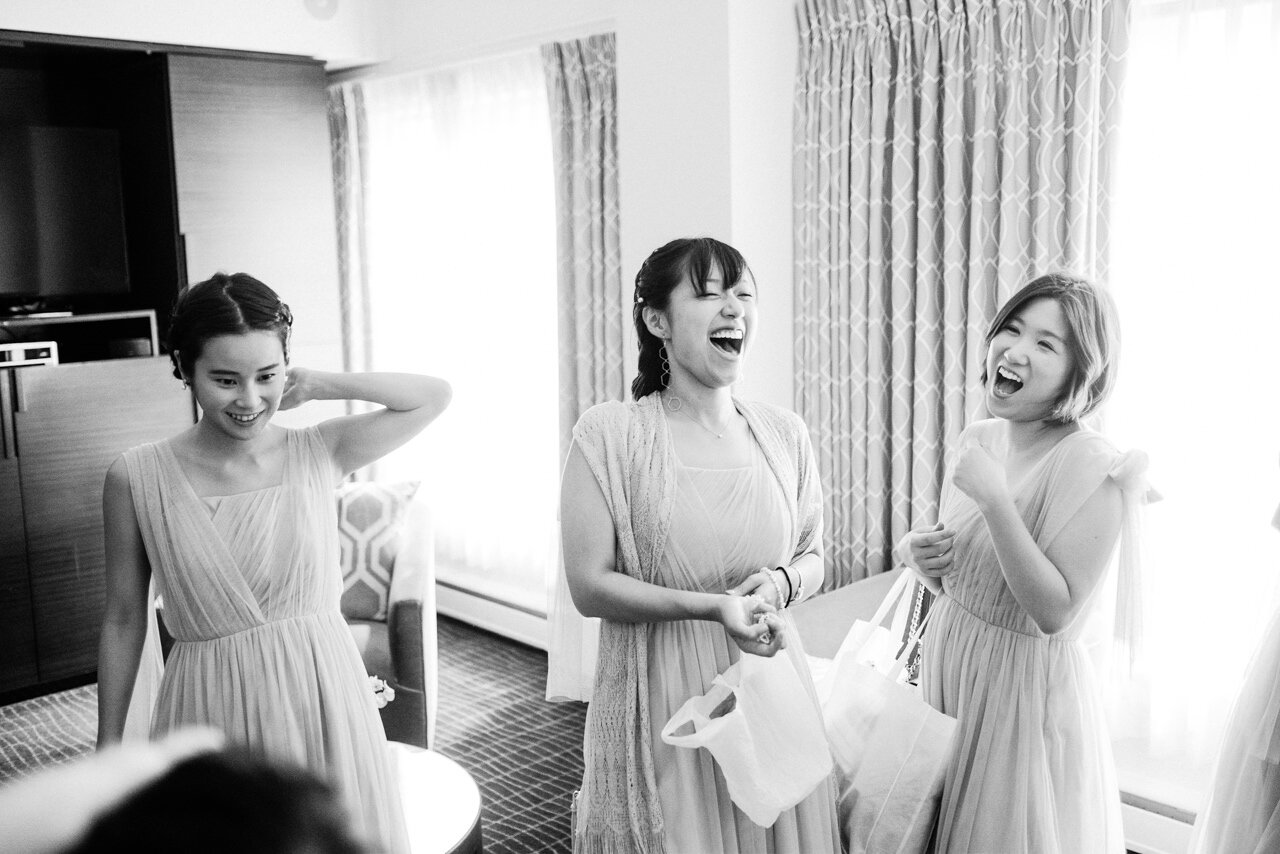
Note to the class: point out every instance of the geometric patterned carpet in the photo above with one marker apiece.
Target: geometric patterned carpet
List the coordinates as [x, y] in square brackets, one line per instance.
[524, 753]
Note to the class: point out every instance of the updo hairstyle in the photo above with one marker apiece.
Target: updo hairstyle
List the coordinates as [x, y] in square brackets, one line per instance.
[223, 305]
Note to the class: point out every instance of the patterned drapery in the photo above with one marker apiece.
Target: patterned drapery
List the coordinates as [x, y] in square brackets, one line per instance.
[945, 152]
[594, 308]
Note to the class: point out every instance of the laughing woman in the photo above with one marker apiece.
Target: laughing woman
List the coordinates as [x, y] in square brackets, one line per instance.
[1030, 516]
[236, 518]
[666, 504]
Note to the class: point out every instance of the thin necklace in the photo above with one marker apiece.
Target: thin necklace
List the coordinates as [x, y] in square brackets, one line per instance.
[689, 415]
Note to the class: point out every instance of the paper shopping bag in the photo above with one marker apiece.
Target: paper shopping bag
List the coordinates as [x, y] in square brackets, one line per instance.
[769, 741]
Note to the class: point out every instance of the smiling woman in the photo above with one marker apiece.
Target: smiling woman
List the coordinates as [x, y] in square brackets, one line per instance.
[690, 520]
[235, 520]
[1031, 511]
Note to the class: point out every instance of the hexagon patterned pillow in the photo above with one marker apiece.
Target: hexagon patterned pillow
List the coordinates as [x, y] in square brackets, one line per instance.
[370, 518]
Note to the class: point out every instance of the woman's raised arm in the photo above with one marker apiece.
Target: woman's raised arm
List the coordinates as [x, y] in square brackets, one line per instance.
[410, 401]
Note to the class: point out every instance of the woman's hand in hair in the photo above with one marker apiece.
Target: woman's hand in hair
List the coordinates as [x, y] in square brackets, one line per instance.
[297, 387]
[752, 624]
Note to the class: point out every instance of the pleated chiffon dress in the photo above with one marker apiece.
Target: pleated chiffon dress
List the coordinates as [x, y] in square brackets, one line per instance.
[1033, 771]
[251, 586]
[726, 524]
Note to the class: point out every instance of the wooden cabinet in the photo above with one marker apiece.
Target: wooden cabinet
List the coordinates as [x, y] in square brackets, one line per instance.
[68, 422]
[17, 625]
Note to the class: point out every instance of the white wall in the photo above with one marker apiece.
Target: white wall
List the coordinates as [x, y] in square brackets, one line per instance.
[341, 32]
[763, 53]
[432, 33]
[704, 135]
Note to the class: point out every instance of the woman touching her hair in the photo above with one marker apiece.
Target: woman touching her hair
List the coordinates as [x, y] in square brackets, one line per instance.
[236, 520]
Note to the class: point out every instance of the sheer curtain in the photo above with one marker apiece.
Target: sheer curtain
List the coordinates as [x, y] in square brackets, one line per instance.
[1194, 273]
[459, 255]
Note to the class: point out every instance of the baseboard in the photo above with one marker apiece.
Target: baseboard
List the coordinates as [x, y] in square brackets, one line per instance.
[491, 614]
[1150, 832]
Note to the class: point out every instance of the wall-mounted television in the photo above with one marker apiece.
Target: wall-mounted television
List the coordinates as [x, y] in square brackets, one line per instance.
[62, 233]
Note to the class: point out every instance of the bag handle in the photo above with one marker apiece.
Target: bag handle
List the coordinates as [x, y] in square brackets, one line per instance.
[690, 713]
[891, 598]
[904, 655]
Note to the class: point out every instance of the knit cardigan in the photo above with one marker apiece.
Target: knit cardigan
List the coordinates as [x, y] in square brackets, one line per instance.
[629, 451]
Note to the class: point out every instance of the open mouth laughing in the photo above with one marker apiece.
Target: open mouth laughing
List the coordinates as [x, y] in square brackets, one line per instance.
[728, 341]
[1006, 382]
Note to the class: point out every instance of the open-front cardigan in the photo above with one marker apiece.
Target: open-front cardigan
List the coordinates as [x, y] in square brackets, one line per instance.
[629, 450]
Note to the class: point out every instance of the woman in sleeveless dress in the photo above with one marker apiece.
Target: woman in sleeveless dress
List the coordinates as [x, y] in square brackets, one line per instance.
[1030, 517]
[1242, 811]
[690, 520]
[235, 521]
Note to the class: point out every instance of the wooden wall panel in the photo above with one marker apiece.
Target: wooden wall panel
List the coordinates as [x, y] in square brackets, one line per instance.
[72, 421]
[17, 628]
[255, 191]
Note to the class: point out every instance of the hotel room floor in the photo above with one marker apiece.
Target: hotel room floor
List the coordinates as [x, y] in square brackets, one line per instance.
[524, 753]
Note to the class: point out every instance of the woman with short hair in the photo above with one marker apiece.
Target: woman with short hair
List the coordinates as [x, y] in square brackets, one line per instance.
[1031, 512]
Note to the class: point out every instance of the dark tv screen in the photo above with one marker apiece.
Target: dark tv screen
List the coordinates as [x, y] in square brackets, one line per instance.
[61, 214]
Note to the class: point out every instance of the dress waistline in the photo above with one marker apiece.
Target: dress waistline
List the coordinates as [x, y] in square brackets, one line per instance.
[1059, 638]
[314, 616]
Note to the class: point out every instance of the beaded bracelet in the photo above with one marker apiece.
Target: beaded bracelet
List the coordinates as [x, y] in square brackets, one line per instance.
[786, 575]
[782, 603]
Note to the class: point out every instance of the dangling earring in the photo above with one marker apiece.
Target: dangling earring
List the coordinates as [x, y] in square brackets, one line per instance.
[673, 403]
[185, 385]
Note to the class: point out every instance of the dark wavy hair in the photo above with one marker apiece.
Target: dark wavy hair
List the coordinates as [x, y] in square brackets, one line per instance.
[1093, 339]
[659, 275]
[223, 305]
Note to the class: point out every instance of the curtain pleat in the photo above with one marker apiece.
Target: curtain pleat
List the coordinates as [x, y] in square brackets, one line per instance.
[582, 90]
[348, 134]
[945, 153]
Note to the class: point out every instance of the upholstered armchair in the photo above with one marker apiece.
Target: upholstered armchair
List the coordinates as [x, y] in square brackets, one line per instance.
[389, 600]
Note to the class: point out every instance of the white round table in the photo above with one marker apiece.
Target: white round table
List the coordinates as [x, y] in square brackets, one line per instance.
[441, 802]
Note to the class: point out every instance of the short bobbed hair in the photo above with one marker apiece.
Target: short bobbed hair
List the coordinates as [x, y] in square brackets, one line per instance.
[226, 304]
[660, 274]
[1093, 339]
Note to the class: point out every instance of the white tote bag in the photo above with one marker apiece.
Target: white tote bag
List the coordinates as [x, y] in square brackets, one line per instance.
[760, 723]
[892, 748]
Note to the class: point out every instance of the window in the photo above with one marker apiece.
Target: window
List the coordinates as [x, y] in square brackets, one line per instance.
[460, 206]
[1196, 221]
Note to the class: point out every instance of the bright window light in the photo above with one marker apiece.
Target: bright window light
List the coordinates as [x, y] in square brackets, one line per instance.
[462, 267]
[1194, 271]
